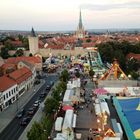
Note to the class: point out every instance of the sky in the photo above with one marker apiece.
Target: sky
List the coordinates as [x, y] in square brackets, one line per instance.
[57, 15]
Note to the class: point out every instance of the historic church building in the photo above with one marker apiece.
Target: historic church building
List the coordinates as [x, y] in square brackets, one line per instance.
[80, 33]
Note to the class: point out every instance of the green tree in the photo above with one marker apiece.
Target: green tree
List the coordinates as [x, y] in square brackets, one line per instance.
[30, 54]
[4, 53]
[77, 74]
[133, 65]
[56, 93]
[35, 132]
[63, 86]
[20, 37]
[51, 104]
[88, 40]
[91, 73]
[64, 76]
[19, 52]
[25, 43]
[8, 45]
[47, 124]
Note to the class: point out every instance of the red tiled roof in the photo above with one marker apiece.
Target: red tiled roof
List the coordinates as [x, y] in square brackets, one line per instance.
[30, 59]
[6, 83]
[133, 55]
[21, 75]
[16, 43]
[7, 65]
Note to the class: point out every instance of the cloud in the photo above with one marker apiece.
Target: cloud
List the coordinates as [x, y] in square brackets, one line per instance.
[99, 7]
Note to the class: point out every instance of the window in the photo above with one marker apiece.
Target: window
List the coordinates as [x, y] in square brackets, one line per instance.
[6, 95]
[9, 93]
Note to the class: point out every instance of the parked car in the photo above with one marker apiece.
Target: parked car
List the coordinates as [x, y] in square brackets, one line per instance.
[48, 87]
[31, 111]
[20, 113]
[36, 103]
[42, 95]
[37, 82]
[25, 120]
[51, 83]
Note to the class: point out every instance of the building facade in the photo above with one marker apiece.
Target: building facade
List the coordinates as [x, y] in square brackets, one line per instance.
[8, 92]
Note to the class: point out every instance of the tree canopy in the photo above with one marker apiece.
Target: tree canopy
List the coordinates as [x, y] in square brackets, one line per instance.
[51, 104]
[119, 50]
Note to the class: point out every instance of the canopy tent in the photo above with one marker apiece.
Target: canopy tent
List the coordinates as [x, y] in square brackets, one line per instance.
[58, 124]
[100, 91]
[67, 107]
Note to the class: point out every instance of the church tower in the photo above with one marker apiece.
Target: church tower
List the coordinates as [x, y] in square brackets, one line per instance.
[33, 42]
[80, 33]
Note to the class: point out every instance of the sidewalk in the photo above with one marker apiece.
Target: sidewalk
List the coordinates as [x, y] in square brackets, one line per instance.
[8, 114]
[37, 117]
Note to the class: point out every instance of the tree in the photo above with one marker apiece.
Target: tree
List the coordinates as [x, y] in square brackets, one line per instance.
[64, 76]
[4, 53]
[30, 54]
[25, 43]
[88, 40]
[20, 37]
[91, 73]
[47, 124]
[63, 86]
[51, 104]
[133, 65]
[35, 132]
[19, 52]
[56, 93]
[77, 74]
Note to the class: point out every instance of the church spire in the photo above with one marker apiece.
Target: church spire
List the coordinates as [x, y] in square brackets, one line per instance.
[80, 21]
[80, 33]
[33, 34]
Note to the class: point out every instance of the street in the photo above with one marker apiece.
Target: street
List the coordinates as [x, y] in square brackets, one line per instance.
[14, 129]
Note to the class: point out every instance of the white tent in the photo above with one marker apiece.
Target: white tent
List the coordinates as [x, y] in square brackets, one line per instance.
[68, 120]
[105, 108]
[97, 109]
[58, 124]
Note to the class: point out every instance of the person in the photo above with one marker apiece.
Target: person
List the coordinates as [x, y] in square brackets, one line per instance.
[88, 138]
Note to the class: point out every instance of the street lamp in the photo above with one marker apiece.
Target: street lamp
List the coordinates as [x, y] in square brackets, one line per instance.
[129, 76]
[122, 76]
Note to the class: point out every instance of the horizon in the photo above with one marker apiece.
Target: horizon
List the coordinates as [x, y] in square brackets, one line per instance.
[63, 15]
[96, 29]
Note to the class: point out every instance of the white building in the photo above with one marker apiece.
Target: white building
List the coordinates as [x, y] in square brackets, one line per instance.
[23, 78]
[8, 92]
